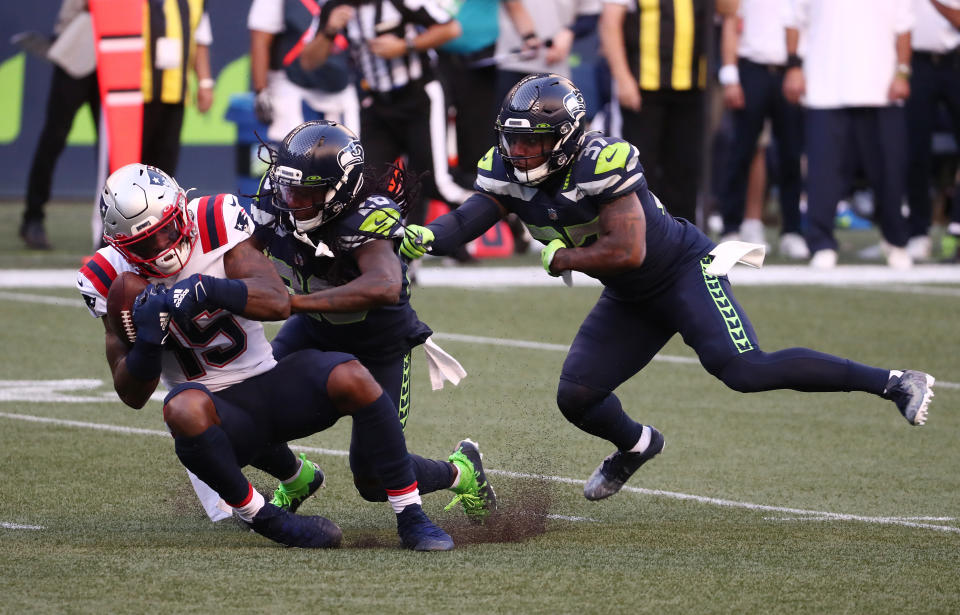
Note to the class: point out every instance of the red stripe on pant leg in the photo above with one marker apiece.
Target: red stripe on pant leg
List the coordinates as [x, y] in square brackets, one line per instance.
[408, 489]
[247, 499]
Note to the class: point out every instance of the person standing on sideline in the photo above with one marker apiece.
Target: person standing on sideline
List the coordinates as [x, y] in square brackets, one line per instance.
[853, 82]
[657, 56]
[176, 42]
[754, 61]
[586, 199]
[402, 106]
[68, 93]
[934, 80]
[278, 32]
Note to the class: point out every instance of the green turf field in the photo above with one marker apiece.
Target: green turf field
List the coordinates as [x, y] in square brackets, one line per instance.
[777, 502]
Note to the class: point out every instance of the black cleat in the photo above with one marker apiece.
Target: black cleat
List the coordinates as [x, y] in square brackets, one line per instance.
[618, 467]
[306, 532]
[417, 532]
[912, 392]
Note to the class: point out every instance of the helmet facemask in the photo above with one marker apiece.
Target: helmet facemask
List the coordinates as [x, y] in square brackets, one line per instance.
[163, 248]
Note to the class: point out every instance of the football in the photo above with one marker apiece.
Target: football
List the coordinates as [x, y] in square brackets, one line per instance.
[123, 292]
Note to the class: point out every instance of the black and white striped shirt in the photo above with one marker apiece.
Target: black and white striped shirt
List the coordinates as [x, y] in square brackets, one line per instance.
[405, 19]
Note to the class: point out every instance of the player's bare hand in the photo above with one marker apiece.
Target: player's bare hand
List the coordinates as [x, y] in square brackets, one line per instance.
[794, 85]
[388, 46]
[733, 96]
[899, 89]
[628, 92]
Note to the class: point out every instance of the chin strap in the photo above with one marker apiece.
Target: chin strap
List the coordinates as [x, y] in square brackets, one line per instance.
[321, 249]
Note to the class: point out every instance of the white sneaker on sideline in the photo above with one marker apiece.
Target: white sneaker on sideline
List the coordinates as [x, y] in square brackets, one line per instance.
[919, 248]
[751, 230]
[794, 246]
[899, 258]
[824, 259]
[729, 237]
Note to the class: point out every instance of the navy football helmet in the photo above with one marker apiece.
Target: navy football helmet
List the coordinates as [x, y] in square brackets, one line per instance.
[315, 174]
[540, 127]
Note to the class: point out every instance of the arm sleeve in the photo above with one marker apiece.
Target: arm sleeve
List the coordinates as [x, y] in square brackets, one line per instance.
[465, 223]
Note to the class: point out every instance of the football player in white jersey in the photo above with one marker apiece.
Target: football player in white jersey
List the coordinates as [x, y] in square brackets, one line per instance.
[198, 328]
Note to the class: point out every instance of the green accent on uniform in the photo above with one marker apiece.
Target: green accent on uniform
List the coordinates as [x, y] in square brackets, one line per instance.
[566, 179]
[613, 156]
[381, 222]
[467, 489]
[11, 103]
[738, 334]
[312, 180]
[298, 488]
[486, 163]
[403, 408]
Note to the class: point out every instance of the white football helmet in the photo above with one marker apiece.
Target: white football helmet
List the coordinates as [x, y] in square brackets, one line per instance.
[145, 218]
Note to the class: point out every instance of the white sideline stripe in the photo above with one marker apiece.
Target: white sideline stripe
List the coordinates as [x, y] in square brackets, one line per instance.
[28, 298]
[19, 526]
[556, 479]
[666, 358]
[878, 277]
[746, 505]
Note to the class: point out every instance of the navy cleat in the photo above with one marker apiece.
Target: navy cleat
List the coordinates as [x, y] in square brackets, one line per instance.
[617, 468]
[912, 392]
[417, 532]
[290, 497]
[306, 532]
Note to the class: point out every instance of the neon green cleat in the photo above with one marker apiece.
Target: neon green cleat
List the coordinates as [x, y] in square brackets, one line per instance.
[473, 490]
[289, 497]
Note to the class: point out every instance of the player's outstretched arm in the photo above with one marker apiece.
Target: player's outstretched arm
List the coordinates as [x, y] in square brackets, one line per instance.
[622, 244]
[379, 283]
[266, 296]
[450, 231]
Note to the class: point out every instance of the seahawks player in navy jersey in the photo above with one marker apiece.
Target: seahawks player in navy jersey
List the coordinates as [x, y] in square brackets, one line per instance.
[333, 244]
[585, 197]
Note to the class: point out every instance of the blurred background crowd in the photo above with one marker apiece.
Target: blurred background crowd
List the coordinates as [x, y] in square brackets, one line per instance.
[769, 121]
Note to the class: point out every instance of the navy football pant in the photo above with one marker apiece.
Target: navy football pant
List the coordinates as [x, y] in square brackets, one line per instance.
[288, 402]
[618, 338]
[393, 375]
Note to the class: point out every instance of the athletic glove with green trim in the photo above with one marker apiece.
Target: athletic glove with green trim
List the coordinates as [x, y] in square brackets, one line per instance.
[416, 241]
[548, 252]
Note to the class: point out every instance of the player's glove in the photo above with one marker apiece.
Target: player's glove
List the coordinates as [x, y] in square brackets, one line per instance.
[190, 297]
[151, 318]
[263, 107]
[151, 315]
[548, 252]
[416, 241]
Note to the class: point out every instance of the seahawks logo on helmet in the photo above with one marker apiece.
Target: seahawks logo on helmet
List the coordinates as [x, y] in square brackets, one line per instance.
[573, 103]
[350, 155]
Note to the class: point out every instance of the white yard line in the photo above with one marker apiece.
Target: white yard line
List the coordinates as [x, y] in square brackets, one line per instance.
[19, 526]
[816, 514]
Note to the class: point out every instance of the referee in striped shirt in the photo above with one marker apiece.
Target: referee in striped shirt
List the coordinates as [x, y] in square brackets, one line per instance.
[657, 55]
[402, 108]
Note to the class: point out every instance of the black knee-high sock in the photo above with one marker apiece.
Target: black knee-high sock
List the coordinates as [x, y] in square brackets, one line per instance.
[278, 461]
[380, 436]
[606, 419]
[432, 474]
[210, 456]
